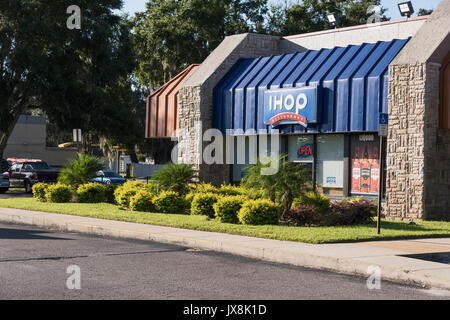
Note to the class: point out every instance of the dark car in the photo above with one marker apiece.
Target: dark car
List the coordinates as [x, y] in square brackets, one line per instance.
[108, 177]
[26, 174]
[4, 165]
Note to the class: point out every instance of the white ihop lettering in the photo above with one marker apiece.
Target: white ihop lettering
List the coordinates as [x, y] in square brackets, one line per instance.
[288, 103]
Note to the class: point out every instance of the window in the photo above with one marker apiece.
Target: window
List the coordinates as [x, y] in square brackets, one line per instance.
[300, 148]
[365, 166]
[445, 93]
[330, 161]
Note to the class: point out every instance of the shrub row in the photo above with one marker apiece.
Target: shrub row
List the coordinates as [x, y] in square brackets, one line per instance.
[57, 193]
[235, 209]
[342, 212]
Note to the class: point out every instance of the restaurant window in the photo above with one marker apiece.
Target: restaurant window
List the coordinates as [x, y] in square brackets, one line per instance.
[330, 161]
[365, 164]
[300, 148]
[445, 94]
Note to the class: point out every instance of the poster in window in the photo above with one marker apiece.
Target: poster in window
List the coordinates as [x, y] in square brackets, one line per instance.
[365, 166]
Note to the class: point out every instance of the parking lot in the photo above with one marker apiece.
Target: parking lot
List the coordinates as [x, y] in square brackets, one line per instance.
[15, 193]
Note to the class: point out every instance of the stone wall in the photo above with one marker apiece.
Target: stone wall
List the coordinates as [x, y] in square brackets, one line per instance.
[418, 157]
[195, 108]
[437, 152]
[405, 142]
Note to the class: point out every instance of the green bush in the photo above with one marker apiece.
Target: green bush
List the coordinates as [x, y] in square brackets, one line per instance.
[350, 213]
[175, 177]
[202, 204]
[151, 187]
[204, 188]
[109, 190]
[91, 193]
[188, 199]
[230, 190]
[315, 199]
[259, 212]
[80, 170]
[123, 193]
[305, 215]
[40, 190]
[169, 202]
[142, 201]
[227, 208]
[59, 193]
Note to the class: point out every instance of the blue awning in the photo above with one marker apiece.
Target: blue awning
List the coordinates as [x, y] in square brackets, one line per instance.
[353, 83]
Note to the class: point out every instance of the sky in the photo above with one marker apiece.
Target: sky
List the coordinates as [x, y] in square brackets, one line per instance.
[132, 6]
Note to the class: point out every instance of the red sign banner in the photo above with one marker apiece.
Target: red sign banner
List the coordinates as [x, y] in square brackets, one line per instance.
[288, 116]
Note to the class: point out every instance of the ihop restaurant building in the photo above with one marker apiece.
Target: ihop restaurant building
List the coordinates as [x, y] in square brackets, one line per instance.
[324, 92]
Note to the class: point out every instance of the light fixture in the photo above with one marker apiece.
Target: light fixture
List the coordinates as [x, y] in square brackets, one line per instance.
[333, 19]
[406, 9]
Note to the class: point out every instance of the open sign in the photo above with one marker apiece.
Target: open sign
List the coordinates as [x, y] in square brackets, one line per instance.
[305, 150]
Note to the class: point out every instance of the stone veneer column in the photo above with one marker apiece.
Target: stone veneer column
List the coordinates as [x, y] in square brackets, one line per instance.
[405, 142]
[418, 158]
[196, 97]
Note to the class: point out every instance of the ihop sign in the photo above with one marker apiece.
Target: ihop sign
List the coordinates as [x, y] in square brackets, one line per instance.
[291, 106]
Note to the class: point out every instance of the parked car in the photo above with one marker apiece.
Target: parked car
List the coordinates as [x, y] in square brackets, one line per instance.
[109, 177]
[4, 182]
[26, 174]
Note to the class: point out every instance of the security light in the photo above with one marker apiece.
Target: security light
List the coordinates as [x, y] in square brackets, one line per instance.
[406, 9]
[333, 19]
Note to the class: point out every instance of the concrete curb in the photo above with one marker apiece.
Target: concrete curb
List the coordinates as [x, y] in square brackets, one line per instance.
[273, 252]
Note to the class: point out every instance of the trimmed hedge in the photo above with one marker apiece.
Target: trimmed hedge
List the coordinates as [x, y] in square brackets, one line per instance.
[259, 212]
[40, 190]
[109, 190]
[340, 213]
[124, 192]
[169, 202]
[58, 193]
[226, 208]
[202, 204]
[91, 193]
[317, 200]
[230, 190]
[142, 201]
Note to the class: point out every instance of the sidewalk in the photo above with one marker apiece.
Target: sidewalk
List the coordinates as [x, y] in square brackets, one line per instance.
[348, 258]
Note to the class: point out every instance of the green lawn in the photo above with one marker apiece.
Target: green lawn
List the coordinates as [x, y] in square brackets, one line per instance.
[390, 229]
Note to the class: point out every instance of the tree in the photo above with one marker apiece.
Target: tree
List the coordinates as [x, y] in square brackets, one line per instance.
[311, 15]
[424, 12]
[172, 34]
[80, 171]
[289, 182]
[175, 177]
[73, 75]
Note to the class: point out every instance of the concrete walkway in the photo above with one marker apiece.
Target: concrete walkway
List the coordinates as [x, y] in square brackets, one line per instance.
[350, 258]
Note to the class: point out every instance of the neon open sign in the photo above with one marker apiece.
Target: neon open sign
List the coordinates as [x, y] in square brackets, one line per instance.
[291, 106]
[305, 150]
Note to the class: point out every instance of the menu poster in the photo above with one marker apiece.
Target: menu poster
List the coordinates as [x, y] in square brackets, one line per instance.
[365, 168]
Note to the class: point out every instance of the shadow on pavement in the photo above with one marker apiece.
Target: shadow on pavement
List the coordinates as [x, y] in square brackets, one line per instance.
[26, 235]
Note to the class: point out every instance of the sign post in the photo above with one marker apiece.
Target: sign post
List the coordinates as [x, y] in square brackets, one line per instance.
[382, 132]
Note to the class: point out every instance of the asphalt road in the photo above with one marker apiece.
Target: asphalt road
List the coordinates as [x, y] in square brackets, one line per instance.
[34, 265]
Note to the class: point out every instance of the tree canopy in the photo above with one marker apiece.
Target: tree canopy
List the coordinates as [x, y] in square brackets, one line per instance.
[171, 34]
[78, 77]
